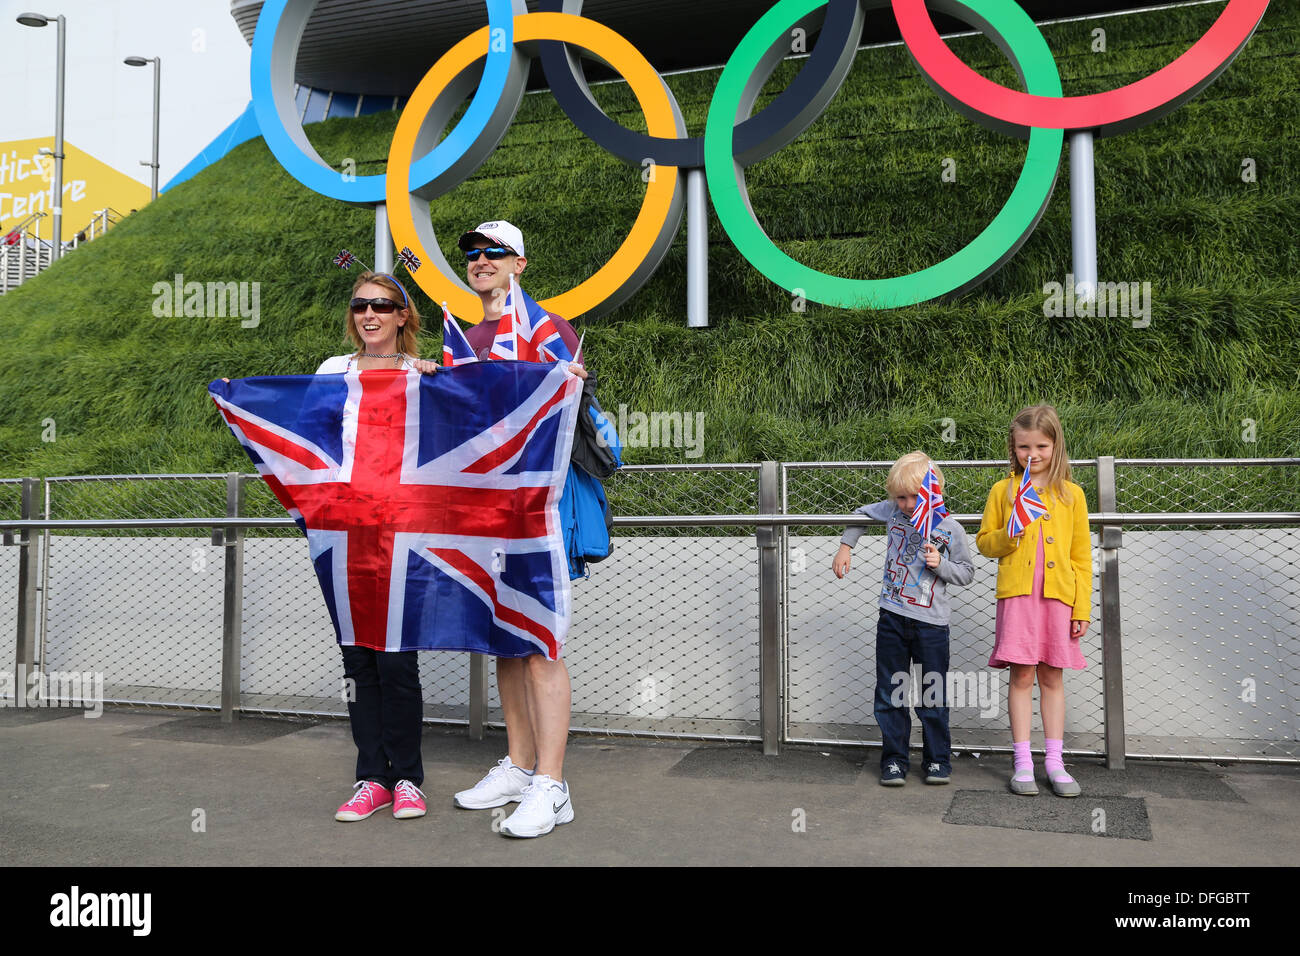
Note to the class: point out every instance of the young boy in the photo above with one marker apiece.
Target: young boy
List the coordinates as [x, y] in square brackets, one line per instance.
[913, 625]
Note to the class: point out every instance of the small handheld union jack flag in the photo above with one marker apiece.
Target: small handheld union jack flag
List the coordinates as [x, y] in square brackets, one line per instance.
[344, 259]
[526, 331]
[1026, 507]
[930, 509]
[409, 259]
[456, 349]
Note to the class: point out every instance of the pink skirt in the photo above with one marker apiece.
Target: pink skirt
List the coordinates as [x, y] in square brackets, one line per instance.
[1032, 629]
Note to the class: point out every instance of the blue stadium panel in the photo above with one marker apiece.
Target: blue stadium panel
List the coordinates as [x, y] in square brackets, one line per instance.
[372, 103]
[316, 106]
[343, 104]
[300, 98]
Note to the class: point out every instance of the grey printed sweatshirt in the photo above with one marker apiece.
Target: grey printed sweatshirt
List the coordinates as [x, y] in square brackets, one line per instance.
[909, 587]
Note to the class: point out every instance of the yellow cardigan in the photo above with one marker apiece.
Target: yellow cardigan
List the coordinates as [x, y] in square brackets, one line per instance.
[1067, 548]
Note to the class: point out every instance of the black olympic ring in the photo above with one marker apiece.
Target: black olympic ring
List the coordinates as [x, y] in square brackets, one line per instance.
[759, 136]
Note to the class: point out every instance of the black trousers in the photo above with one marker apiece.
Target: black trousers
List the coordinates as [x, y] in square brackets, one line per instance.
[387, 708]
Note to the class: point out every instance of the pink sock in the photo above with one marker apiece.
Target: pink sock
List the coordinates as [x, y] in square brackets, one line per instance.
[1024, 760]
[1054, 764]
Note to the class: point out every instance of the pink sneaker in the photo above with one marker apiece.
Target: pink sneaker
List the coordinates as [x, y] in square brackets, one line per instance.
[368, 798]
[408, 801]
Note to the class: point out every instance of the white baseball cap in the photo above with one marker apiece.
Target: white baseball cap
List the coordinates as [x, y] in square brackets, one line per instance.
[498, 231]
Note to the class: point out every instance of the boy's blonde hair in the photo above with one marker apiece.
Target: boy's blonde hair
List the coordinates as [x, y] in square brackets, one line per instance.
[1041, 418]
[908, 472]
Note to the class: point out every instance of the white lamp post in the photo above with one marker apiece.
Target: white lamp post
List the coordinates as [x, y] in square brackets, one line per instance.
[40, 20]
[157, 71]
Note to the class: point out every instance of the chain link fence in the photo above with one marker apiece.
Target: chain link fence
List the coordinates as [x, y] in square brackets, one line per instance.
[10, 507]
[664, 635]
[144, 610]
[1211, 612]
[668, 634]
[830, 624]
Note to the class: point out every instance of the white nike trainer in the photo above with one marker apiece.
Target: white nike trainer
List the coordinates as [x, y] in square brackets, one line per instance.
[504, 783]
[545, 805]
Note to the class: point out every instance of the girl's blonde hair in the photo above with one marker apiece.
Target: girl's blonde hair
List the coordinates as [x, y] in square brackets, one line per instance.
[906, 475]
[1041, 418]
[407, 343]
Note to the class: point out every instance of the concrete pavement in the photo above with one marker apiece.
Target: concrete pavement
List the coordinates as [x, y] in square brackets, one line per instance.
[171, 788]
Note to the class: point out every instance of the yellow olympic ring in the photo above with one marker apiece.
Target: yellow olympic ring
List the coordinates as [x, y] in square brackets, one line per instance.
[646, 85]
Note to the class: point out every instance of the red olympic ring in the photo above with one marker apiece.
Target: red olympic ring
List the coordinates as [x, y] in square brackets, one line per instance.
[1115, 111]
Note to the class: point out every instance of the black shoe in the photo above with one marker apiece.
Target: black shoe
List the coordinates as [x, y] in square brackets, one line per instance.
[892, 774]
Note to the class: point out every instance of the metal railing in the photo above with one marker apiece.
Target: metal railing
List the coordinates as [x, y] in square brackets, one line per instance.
[685, 631]
[99, 224]
[23, 254]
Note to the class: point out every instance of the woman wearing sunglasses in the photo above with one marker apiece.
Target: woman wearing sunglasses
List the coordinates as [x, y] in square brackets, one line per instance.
[386, 702]
[383, 324]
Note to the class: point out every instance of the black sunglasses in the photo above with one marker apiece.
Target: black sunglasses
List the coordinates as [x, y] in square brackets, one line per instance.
[492, 252]
[381, 306]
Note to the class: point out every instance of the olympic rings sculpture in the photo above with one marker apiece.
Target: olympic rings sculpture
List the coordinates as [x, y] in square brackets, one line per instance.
[733, 138]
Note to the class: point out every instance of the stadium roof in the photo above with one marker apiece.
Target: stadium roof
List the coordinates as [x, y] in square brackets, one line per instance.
[385, 46]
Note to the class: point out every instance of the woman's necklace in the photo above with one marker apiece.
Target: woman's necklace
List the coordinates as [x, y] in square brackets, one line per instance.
[395, 355]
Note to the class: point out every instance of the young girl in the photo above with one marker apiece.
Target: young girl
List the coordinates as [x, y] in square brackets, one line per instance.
[1044, 589]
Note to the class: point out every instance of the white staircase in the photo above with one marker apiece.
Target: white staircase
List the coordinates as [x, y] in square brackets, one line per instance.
[24, 254]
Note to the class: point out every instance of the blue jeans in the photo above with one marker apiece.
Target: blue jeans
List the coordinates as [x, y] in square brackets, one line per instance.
[900, 642]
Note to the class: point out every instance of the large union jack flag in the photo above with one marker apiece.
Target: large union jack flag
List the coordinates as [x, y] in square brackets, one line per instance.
[1026, 507]
[430, 502]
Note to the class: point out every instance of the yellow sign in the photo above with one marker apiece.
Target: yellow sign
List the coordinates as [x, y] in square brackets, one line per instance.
[89, 186]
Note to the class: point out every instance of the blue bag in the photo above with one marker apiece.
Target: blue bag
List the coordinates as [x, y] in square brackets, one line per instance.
[586, 521]
[584, 510]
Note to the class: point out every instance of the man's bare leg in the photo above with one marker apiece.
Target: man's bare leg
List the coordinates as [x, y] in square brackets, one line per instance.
[512, 685]
[549, 700]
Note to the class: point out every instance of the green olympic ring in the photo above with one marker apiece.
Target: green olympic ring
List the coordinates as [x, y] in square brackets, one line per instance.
[1015, 33]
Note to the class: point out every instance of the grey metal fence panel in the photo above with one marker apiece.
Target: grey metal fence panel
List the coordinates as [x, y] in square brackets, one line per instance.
[143, 611]
[290, 661]
[10, 507]
[1211, 613]
[664, 638]
[831, 623]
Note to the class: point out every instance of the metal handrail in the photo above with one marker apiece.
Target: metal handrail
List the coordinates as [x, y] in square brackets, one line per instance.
[1137, 519]
[1199, 462]
[1074, 462]
[943, 463]
[159, 477]
[694, 466]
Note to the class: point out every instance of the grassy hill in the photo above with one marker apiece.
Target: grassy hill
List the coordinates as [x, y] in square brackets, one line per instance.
[859, 194]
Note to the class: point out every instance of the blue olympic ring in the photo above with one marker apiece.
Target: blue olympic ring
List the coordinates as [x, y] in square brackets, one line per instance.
[277, 115]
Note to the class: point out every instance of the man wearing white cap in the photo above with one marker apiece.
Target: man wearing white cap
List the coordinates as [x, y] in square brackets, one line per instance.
[535, 692]
[497, 253]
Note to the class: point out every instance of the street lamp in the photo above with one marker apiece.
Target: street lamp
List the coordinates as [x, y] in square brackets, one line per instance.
[157, 70]
[40, 20]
